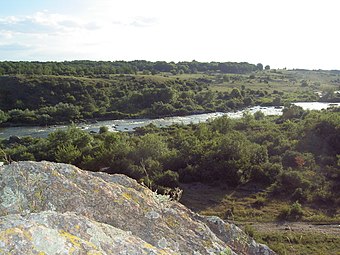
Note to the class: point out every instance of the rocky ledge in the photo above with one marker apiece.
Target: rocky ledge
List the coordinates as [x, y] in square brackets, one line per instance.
[50, 208]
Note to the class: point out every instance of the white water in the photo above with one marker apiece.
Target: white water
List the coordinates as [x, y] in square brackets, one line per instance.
[131, 124]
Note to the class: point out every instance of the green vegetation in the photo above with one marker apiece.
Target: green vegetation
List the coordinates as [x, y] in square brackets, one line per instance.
[261, 168]
[53, 99]
[265, 170]
[104, 68]
[296, 242]
[293, 213]
[294, 157]
[45, 93]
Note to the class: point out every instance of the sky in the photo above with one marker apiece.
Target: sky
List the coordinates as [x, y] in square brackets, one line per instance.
[282, 34]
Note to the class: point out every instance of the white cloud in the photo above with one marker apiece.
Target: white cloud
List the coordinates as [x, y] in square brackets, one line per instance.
[14, 47]
[44, 22]
[143, 22]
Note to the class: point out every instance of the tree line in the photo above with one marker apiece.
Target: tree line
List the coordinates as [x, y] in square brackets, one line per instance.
[103, 68]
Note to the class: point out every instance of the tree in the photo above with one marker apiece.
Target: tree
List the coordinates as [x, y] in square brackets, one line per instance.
[19, 116]
[161, 108]
[235, 93]
[168, 179]
[304, 83]
[277, 101]
[259, 66]
[267, 67]
[151, 146]
[67, 153]
[67, 112]
[67, 140]
[222, 125]
[259, 115]
[3, 116]
[292, 112]
[103, 129]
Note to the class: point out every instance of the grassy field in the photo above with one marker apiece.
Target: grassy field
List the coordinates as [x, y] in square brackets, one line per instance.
[288, 85]
[298, 241]
[316, 233]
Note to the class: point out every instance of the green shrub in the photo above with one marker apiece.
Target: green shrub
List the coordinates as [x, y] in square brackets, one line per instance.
[289, 158]
[292, 213]
[323, 197]
[67, 153]
[284, 213]
[168, 179]
[296, 211]
[289, 181]
[299, 195]
[259, 115]
[250, 230]
[188, 174]
[103, 129]
[259, 202]
[265, 173]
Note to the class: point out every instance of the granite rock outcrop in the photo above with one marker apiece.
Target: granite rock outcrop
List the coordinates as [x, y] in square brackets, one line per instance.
[54, 208]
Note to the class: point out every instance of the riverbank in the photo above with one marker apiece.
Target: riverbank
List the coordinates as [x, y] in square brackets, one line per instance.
[103, 118]
[128, 125]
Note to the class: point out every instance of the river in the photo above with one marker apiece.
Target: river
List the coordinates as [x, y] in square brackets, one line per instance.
[129, 125]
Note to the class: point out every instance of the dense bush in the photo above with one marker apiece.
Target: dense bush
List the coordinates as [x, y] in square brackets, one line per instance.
[292, 213]
[168, 179]
[223, 150]
[46, 100]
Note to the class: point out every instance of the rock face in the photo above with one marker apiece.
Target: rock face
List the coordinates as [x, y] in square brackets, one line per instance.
[67, 233]
[50, 208]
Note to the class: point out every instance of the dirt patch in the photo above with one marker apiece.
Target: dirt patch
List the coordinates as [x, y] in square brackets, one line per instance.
[299, 227]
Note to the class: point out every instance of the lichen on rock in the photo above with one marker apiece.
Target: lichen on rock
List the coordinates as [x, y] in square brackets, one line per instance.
[54, 233]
